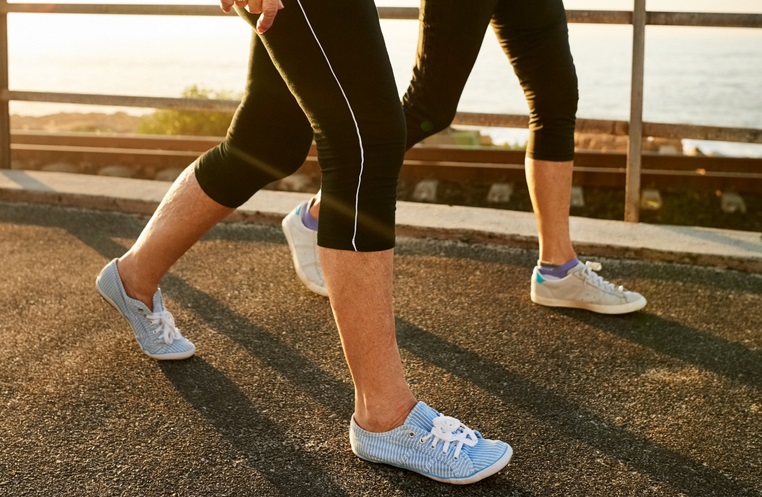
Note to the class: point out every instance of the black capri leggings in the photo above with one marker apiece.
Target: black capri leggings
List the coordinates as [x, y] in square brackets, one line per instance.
[534, 35]
[322, 70]
[270, 134]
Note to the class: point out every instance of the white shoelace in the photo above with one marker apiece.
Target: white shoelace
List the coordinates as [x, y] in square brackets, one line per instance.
[450, 430]
[590, 273]
[165, 324]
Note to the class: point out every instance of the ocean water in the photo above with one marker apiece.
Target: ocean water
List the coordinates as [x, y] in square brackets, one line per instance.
[707, 76]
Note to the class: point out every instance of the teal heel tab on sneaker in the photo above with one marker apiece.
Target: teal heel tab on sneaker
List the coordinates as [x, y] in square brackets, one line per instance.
[538, 277]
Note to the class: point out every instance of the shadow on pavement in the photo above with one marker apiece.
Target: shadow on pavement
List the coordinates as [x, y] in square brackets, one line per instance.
[665, 465]
[232, 415]
[708, 352]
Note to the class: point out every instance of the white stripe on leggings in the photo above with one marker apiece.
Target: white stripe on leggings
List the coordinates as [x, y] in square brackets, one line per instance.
[351, 112]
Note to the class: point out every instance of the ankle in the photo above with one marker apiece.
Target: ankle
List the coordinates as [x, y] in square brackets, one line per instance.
[308, 220]
[133, 290]
[384, 417]
[557, 257]
[314, 207]
[557, 271]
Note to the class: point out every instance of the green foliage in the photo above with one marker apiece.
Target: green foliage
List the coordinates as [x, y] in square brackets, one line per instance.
[189, 122]
[515, 145]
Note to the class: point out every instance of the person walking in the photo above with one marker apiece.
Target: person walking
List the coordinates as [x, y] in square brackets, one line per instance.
[317, 67]
[534, 36]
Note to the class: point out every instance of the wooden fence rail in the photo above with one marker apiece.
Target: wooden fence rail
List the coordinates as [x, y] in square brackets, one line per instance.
[635, 128]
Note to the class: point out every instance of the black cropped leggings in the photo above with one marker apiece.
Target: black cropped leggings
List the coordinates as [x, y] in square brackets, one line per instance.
[534, 36]
[272, 131]
[321, 71]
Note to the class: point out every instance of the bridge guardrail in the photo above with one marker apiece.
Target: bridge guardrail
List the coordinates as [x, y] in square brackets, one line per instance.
[634, 128]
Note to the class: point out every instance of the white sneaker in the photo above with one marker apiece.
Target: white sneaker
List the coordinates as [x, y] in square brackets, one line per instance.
[304, 250]
[583, 288]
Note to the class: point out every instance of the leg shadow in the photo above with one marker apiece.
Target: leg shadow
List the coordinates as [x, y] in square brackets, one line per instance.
[569, 418]
[670, 338]
[265, 445]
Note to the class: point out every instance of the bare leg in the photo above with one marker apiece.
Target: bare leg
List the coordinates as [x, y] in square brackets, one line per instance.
[185, 214]
[550, 189]
[360, 289]
[315, 206]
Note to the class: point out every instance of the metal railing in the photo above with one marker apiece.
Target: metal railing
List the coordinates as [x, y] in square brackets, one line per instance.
[635, 128]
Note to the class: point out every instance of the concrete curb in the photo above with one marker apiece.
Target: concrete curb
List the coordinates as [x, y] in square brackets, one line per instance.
[693, 245]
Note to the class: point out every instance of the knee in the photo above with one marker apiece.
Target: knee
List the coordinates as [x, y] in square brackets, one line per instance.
[552, 119]
[383, 137]
[556, 100]
[424, 119]
[439, 119]
[359, 189]
[230, 174]
[422, 123]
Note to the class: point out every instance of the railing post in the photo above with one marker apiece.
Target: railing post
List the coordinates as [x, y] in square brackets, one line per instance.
[5, 113]
[635, 142]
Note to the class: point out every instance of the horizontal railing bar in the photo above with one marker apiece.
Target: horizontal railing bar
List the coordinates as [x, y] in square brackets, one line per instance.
[116, 140]
[696, 19]
[593, 126]
[67, 141]
[671, 172]
[597, 126]
[400, 13]
[599, 16]
[699, 132]
[419, 166]
[121, 100]
[115, 9]
[704, 19]
[707, 174]
[103, 150]
[621, 128]
[152, 153]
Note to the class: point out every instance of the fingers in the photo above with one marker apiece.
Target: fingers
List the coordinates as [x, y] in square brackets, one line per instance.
[254, 6]
[266, 8]
[269, 10]
[226, 5]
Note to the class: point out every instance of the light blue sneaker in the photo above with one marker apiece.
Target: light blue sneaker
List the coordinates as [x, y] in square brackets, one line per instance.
[436, 446]
[155, 330]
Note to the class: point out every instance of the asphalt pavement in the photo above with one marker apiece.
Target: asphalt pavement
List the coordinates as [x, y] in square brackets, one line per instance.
[663, 402]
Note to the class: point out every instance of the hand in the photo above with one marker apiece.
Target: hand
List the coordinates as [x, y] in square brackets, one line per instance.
[266, 8]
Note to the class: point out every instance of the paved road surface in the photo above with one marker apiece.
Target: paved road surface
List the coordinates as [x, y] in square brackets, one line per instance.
[665, 402]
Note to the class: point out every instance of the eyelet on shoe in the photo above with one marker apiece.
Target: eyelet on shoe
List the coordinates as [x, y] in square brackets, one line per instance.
[421, 440]
[411, 434]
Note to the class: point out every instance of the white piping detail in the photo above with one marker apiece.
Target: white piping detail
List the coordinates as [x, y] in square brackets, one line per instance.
[357, 127]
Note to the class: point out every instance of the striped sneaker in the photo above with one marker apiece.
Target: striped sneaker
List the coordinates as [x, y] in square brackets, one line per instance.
[436, 446]
[584, 288]
[155, 330]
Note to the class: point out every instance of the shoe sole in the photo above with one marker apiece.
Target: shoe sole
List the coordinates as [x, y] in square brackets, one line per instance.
[175, 356]
[486, 472]
[600, 309]
[297, 267]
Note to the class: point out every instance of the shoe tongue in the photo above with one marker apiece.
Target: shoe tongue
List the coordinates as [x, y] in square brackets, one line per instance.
[158, 306]
[422, 416]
